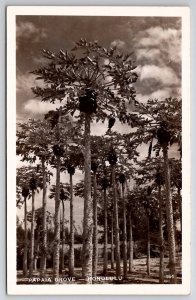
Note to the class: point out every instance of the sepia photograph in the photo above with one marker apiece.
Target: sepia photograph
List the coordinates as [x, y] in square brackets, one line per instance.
[98, 144]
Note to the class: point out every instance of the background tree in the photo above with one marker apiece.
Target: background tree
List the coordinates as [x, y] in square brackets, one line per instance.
[95, 229]
[31, 179]
[74, 158]
[149, 174]
[35, 182]
[122, 180]
[23, 190]
[176, 182]
[166, 116]
[64, 196]
[105, 185]
[33, 140]
[159, 180]
[60, 140]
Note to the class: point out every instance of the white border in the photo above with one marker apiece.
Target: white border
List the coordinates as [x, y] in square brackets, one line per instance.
[103, 289]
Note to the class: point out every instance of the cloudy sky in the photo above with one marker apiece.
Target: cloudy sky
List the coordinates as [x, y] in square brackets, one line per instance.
[154, 41]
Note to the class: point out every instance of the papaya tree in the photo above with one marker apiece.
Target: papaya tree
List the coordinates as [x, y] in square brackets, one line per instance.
[104, 186]
[162, 121]
[125, 154]
[103, 148]
[33, 141]
[122, 180]
[100, 185]
[112, 239]
[149, 172]
[60, 139]
[136, 221]
[130, 237]
[73, 159]
[71, 171]
[95, 83]
[176, 181]
[105, 217]
[33, 182]
[159, 180]
[33, 185]
[95, 229]
[23, 190]
[38, 230]
[64, 196]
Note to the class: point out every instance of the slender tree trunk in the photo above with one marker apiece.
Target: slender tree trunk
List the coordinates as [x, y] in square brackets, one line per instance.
[37, 250]
[25, 239]
[130, 244]
[169, 218]
[44, 232]
[35, 263]
[112, 242]
[95, 230]
[116, 228]
[71, 254]
[32, 241]
[180, 208]
[161, 266]
[124, 234]
[63, 236]
[88, 207]
[105, 249]
[56, 255]
[148, 245]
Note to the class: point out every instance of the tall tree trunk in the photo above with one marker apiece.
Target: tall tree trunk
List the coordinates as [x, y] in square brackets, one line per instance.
[161, 266]
[37, 250]
[71, 254]
[116, 224]
[35, 263]
[124, 234]
[63, 237]
[130, 244]
[25, 239]
[169, 218]
[95, 230]
[112, 242]
[56, 255]
[32, 241]
[88, 207]
[44, 232]
[180, 207]
[148, 244]
[105, 249]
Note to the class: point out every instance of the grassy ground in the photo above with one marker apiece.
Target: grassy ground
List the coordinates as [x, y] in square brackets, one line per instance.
[138, 276]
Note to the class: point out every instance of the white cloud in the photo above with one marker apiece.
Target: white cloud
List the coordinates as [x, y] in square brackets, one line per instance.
[29, 30]
[164, 75]
[167, 40]
[151, 54]
[161, 33]
[25, 29]
[118, 44]
[37, 107]
[24, 82]
[159, 94]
